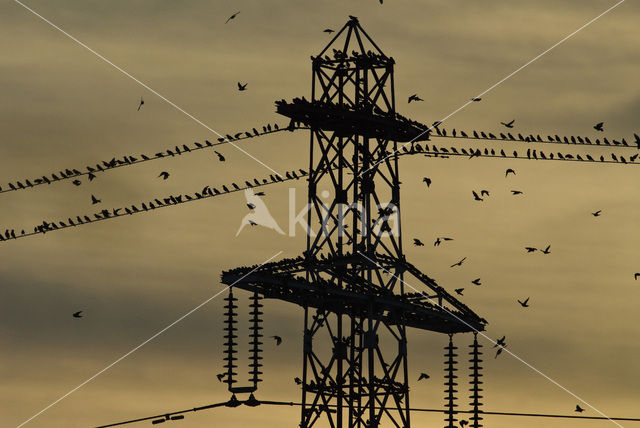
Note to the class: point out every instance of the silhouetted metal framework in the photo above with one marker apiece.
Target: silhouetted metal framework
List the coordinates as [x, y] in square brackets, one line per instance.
[350, 279]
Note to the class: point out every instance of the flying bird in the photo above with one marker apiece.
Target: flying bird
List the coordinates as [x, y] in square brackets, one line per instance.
[242, 87]
[599, 127]
[417, 242]
[259, 193]
[77, 314]
[524, 304]
[459, 291]
[476, 281]
[516, 192]
[476, 197]
[232, 16]
[579, 409]
[95, 200]
[297, 380]
[220, 157]
[530, 249]
[164, 175]
[414, 97]
[463, 423]
[500, 342]
[636, 276]
[278, 340]
[484, 193]
[141, 103]
[328, 31]
[220, 376]
[546, 250]
[423, 376]
[427, 180]
[459, 263]
[509, 171]
[508, 124]
[498, 352]
[597, 213]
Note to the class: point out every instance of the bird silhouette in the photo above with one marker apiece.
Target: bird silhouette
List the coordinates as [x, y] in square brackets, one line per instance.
[414, 97]
[516, 192]
[498, 352]
[636, 276]
[459, 291]
[77, 314]
[508, 124]
[459, 263]
[251, 206]
[546, 250]
[141, 103]
[463, 423]
[259, 193]
[599, 126]
[232, 16]
[328, 31]
[278, 340]
[530, 249]
[221, 376]
[509, 171]
[476, 99]
[297, 380]
[437, 242]
[220, 157]
[77, 182]
[597, 213]
[579, 409]
[484, 193]
[164, 175]
[423, 376]
[476, 196]
[500, 342]
[427, 180]
[476, 281]
[242, 87]
[417, 242]
[525, 303]
[95, 200]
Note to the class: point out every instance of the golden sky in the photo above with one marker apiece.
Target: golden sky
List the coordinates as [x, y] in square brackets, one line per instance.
[62, 107]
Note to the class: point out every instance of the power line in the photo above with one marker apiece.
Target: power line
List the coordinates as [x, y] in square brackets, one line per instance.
[252, 402]
[128, 160]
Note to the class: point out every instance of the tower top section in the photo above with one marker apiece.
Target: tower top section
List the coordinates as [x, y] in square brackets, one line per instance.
[352, 47]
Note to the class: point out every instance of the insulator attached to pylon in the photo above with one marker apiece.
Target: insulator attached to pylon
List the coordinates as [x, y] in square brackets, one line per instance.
[475, 382]
[255, 336]
[230, 348]
[450, 383]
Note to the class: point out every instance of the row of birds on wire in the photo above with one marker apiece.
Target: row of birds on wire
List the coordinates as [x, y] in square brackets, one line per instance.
[433, 151]
[91, 172]
[156, 203]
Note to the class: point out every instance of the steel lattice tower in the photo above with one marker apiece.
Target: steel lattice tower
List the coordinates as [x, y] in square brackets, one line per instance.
[350, 278]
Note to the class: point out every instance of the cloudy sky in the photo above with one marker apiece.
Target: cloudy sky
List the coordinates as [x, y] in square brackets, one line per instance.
[63, 107]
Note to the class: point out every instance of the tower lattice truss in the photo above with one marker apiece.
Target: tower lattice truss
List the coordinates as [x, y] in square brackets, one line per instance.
[353, 281]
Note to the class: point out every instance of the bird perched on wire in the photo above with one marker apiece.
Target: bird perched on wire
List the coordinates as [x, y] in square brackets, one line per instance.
[508, 124]
[525, 303]
[599, 126]
[278, 340]
[242, 87]
[476, 99]
[417, 242]
[423, 376]
[220, 157]
[77, 314]
[141, 103]
[232, 16]
[76, 182]
[164, 175]
[414, 97]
